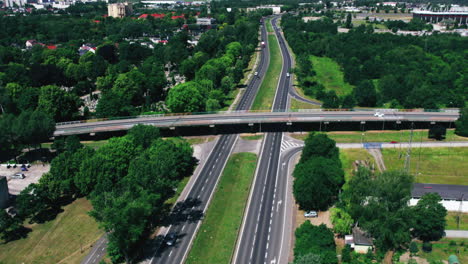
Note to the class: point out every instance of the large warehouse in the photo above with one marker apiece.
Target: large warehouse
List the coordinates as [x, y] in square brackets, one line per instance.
[457, 14]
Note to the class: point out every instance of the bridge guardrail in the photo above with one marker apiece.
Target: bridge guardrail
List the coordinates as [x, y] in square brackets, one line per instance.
[450, 110]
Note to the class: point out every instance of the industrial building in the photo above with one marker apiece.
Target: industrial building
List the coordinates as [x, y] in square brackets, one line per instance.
[3, 192]
[457, 14]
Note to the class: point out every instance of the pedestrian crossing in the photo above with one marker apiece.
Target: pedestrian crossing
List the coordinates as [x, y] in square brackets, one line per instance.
[285, 145]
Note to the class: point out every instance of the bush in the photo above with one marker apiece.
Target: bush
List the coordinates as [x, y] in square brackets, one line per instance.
[413, 248]
[452, 243]
[427, 247]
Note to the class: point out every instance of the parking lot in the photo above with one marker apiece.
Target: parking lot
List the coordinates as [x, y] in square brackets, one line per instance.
[33, 175]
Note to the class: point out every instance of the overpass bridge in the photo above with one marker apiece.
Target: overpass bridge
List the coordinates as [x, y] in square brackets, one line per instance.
[258, 121]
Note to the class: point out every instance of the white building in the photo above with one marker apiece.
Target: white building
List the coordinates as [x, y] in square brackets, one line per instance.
[454, 197]
[14, 3]
[206, 21]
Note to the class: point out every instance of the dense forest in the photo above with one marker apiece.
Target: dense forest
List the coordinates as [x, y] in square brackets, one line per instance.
[387, 70]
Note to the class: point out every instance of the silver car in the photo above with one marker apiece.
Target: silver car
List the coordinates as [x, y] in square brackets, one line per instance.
[18, 176]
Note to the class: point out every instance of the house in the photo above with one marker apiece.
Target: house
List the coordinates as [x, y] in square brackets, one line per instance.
[454, 197]
[205, 21]
[359, 241]
[85, 48]
[142, 16]
[32, 42]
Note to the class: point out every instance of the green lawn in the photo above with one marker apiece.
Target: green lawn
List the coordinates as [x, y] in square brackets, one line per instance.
[296, 104]
[329, 74]
[267, 91]
[348, 156]
[442, 249]
[252, 137]
[431, 165]
[216, 239]
[452, 221]
[269, 27]
[384, 136]
[56, 240]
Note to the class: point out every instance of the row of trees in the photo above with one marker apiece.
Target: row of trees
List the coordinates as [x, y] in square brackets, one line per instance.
[127, 180]
[318, 176]
[29, 129]
[387, 69]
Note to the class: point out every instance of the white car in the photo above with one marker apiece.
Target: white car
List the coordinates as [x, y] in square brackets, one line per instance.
[311, 214]
[256, 73]
[287, 74]
[378, 114]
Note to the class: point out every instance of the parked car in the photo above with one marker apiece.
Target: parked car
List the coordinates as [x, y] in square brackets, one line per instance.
[393, 142]
[18, 176]
[171, 239]
[311, 214]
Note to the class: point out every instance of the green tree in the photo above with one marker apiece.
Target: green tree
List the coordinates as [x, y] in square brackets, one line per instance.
[413, 248]
[365, 94]
[317, 182]
[319, 145]
[143, 135]
[317, 240]
[185, 97]
[429, 218]
[462, 123]
[310, 258]
[61, 105]
[341, 221]
[349, 23]
[11, 227]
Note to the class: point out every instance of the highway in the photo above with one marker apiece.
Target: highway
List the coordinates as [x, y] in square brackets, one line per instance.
[261, 232]
[188, 216]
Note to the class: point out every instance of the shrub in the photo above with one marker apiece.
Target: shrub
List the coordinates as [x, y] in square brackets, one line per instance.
[452, 243]
[427, 247]
[413, 248]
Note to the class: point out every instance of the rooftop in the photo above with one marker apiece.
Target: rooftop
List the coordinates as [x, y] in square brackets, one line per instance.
[361, 238]
[446, 191]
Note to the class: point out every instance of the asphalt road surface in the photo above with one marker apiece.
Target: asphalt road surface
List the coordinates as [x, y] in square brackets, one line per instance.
[262, 228]
[188, 216]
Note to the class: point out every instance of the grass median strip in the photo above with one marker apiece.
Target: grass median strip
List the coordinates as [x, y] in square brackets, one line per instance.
[216, 239]
[267, 91]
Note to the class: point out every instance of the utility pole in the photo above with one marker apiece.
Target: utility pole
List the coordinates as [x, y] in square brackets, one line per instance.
[408, 151]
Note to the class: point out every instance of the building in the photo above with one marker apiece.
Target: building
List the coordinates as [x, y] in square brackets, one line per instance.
[359, 241]
[457, 14]
[275, 9]
[4, 196]
[14, 3]
[119, 10]
[454, 197]
[205, 21]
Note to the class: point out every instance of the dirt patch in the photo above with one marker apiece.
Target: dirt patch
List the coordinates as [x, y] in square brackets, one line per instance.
[323, 218]
[406, 257]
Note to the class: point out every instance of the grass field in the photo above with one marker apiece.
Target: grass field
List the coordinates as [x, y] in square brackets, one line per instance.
[56, 240]
[296, 104]
[383, 136]
[432, 165]
[329, 74]
[267, 91]
[216, 239]
[252, 137]
[442, 249]
[452, 221]
[348, 156]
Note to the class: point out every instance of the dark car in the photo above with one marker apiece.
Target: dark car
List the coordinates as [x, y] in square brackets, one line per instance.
[171, 239]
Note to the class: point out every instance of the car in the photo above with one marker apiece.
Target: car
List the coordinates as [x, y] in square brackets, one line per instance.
[256, 73]
[378, 114]
[18, 176]
[393, 142]
[171, 239]
[287, 74]
[311, 214]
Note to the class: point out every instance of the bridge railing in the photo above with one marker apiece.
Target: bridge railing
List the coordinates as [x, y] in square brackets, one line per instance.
[450, 110]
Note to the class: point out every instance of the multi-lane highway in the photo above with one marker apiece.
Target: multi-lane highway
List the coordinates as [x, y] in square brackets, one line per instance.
[261, 237]
[199, 196]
